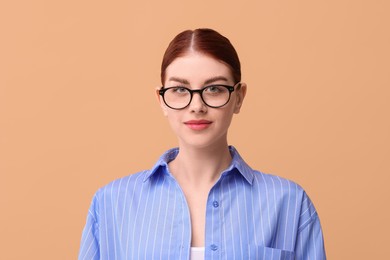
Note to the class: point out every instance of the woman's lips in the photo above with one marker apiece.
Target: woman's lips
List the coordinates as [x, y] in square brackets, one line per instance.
[198, 124]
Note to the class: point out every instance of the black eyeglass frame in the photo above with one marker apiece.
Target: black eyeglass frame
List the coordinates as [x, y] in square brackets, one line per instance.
[200, 92]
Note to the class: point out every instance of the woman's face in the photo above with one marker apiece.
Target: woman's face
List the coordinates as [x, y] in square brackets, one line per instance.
[198, 125]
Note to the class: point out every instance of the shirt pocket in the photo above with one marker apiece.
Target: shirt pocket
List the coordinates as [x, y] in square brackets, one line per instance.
[268, 253]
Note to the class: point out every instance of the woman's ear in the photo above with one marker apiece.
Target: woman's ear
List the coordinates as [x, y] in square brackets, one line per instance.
[161, 101]
[240, 95]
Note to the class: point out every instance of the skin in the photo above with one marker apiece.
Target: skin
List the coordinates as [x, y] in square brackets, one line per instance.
[204, 151]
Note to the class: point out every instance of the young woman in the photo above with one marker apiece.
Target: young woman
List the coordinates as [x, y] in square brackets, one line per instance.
[201, 200]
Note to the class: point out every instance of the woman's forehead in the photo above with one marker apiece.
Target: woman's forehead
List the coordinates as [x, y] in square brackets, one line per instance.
[197, 66]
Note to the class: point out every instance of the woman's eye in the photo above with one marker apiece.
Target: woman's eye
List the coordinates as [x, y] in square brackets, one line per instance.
[214, 89]
[179, 90]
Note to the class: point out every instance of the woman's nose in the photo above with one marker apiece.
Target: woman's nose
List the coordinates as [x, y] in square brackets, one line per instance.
[197, 104]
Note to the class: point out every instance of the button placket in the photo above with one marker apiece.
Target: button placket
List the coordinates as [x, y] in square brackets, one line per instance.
[213, 239]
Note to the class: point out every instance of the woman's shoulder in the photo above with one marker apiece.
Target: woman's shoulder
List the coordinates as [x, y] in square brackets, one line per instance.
[270, 182]
[279, 187]
[136, 182]
[275, 182]
[122, 185]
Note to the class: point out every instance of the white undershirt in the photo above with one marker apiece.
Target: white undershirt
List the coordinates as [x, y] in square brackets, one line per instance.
[197, 253]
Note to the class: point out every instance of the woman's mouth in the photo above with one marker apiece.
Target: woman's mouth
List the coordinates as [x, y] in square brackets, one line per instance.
[198, 124]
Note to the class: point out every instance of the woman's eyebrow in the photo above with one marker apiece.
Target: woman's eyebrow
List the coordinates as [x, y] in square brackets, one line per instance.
[208, 81]
[182, 81]
[214, 79]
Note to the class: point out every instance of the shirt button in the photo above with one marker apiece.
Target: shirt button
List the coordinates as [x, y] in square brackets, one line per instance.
[214, 247]
[215, 204]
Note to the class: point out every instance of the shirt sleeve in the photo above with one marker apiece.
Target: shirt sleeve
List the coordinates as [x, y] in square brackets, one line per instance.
[89, 248]
[310, 242]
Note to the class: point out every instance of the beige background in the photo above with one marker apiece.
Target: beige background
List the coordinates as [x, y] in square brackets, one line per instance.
[77, 109]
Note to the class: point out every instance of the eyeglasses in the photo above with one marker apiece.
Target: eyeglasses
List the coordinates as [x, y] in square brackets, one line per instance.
[214, 96]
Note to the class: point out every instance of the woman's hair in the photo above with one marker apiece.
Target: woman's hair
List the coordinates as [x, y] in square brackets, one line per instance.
[205, 41]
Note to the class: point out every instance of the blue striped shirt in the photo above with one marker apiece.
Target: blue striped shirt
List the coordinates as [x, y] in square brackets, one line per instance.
[249, 215]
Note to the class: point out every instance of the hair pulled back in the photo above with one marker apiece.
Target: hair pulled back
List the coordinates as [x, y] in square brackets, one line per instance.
[205, 41]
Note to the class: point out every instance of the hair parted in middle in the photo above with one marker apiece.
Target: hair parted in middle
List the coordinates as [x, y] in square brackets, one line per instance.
[205, 41]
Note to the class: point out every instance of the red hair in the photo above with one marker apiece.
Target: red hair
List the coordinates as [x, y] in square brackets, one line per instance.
[205, 41]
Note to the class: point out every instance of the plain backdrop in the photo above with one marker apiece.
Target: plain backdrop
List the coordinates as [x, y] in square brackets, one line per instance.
[78, 109]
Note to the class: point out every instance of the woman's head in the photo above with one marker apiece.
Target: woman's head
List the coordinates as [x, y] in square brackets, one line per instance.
[202, 87]
[207, 42]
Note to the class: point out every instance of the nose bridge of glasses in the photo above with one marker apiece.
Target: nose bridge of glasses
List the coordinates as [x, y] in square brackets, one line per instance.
[200, 96]
[199, 91]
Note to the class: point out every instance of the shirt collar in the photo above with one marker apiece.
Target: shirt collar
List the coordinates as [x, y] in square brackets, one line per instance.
[237, 163]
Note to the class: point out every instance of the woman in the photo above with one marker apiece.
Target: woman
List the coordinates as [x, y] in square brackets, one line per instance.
[201, 200]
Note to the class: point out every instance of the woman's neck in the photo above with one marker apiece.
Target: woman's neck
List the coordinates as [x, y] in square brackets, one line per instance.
[200, 165]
